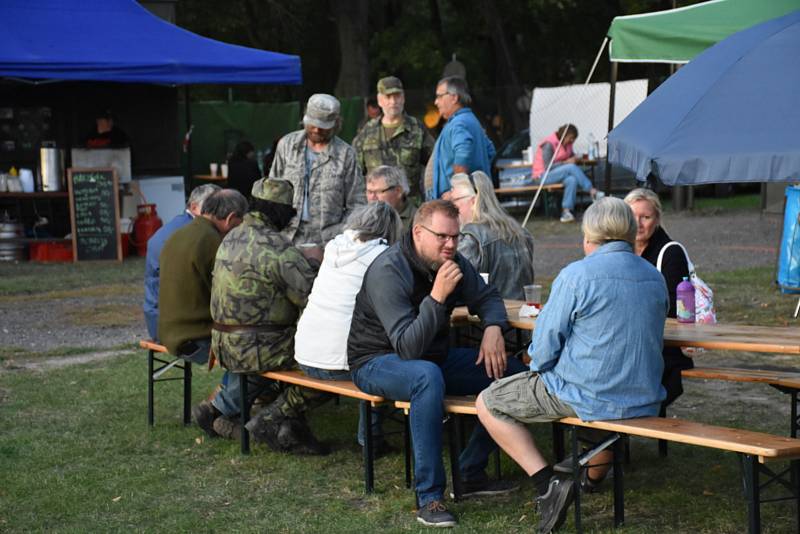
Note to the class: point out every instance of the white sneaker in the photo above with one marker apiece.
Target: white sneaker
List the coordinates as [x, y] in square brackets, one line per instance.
[567, 216]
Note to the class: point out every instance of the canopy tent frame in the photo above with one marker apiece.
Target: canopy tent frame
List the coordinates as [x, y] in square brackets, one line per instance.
[137, 47]
[675, 37]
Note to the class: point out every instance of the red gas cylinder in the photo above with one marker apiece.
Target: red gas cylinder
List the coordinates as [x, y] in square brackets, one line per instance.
[146, 223]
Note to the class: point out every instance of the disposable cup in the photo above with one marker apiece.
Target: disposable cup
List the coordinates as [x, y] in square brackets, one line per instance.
[224, 169]
[213, 167]
[533, 295]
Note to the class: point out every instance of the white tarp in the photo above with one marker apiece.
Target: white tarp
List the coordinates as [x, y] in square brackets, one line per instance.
[585, 106]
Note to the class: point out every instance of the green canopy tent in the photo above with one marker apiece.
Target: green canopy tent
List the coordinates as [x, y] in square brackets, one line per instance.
[678, 35]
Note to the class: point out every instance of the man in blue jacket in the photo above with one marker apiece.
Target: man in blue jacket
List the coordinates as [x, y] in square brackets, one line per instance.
[463, 145]
[154, 246]
[595, 354]
[398, 347]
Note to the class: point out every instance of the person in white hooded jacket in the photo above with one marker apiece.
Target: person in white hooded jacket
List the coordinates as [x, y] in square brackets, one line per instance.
[320, 343]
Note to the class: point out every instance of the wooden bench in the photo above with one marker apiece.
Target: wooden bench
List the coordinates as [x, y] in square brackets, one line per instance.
[154, 375]
[754, 449]
[343, 388]
[529, 191]
[784, 381]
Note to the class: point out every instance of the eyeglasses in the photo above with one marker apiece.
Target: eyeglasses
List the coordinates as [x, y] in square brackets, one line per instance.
[442, 238]
[380, 191]
[440, 95]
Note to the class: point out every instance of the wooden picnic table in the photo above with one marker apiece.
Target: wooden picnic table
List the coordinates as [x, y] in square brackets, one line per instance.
[721, 336]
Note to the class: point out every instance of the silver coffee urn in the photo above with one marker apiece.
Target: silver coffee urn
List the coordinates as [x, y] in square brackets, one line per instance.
[51, 169]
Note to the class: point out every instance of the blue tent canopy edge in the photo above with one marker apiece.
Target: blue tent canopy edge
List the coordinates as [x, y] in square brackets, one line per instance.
[120, 41]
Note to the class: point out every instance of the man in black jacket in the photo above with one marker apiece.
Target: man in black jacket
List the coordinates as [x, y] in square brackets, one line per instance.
[398, 347]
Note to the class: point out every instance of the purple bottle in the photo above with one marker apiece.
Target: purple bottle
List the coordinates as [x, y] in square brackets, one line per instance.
[685, 301]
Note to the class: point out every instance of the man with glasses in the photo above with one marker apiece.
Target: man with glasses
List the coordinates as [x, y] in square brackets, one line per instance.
[463, 145]
[389, 184]
[394, 138]
[398, 347]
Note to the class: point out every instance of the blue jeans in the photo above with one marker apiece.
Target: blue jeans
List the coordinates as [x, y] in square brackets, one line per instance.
[227, 398]
[573, 178]
[377, 413]
[425, 384]
[151, 320]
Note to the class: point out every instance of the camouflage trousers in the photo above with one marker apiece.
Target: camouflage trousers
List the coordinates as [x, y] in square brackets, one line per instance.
[280, 400]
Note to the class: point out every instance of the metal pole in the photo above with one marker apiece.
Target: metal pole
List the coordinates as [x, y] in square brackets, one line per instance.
[187, 177]
[612, 97]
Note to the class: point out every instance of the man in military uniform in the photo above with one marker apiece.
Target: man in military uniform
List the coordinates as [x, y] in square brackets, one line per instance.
[322, 168]
[260, 285]
[395, 138]
[389, 184]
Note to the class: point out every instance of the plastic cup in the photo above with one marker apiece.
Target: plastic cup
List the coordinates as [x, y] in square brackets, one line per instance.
[224, 169]
[533, 295]
[213, 168]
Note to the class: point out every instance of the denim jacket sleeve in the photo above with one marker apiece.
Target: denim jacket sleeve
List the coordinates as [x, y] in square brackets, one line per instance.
[463, 144]
[553, 325]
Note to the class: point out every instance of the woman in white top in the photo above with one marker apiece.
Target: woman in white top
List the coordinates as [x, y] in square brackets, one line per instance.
[320, 343]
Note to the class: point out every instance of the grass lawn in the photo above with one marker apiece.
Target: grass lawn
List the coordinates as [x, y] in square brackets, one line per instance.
[76, 454]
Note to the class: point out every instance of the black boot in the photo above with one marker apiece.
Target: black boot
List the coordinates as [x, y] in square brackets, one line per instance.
[296, 437]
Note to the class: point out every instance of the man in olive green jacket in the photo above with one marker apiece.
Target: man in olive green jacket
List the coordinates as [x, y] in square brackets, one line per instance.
[394, 138]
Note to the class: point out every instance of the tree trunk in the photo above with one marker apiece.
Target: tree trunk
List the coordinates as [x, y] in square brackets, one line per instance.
[353, 24]
[508, 86]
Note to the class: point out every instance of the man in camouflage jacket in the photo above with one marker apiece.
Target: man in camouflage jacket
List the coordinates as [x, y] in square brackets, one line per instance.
[395, 138]
[322, 168]
[260, 285]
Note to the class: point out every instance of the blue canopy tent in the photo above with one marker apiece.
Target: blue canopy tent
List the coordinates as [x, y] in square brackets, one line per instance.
[120, 41]
[45, 41]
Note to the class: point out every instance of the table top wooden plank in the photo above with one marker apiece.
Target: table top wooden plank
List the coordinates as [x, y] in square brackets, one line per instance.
[721, 336]
[526, 189]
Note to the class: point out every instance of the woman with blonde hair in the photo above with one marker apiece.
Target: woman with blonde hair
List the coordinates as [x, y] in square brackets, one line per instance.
[491, 240]
[651, 239]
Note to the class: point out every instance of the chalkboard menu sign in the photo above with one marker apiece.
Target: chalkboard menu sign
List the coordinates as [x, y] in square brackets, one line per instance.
[94, 212]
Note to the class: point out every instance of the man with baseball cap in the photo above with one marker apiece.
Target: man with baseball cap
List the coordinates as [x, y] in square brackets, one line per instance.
[260, 284]
[322, 168]
[394, 138]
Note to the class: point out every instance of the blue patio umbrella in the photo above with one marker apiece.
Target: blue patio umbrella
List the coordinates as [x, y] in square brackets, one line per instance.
[730, 115]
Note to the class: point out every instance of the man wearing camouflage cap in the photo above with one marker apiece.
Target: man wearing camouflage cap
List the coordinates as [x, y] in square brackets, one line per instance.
[395, 138]
[322, 168]
[261, 283]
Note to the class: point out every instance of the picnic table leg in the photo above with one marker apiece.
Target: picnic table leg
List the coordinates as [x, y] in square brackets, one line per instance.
[187, 392]
[558, 441]
[455, 452]
[751, 492]
[794, 422]
[150, 385]
[662, 444]
[244, 411]
[367, 451]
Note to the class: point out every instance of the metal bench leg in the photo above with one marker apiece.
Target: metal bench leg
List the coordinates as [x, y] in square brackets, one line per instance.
[368, 449]
[794, 465]
[497, 470]
[794, 422]
[187, 393]
[751, 492]
[244, 411]
[575, 476]
[619, 448]
[150, 387]
[407, 448]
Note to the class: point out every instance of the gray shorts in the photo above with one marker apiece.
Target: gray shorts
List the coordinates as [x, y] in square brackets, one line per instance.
[523, 398]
